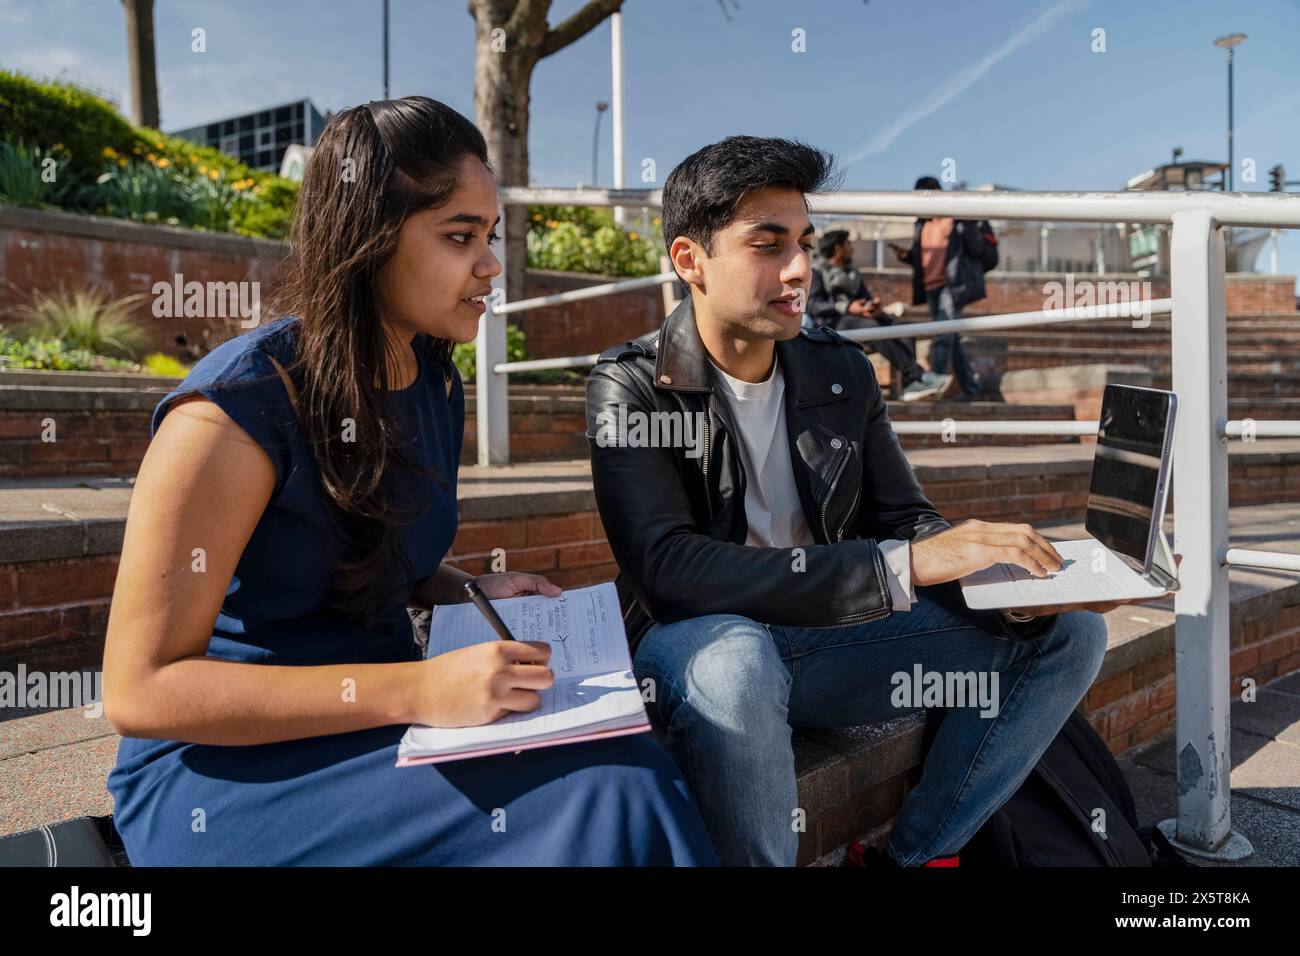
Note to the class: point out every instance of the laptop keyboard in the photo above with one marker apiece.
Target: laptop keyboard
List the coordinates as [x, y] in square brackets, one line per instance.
[1075, 582]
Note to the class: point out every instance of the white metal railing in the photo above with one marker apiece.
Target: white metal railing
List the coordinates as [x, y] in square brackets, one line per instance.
[1203, 825]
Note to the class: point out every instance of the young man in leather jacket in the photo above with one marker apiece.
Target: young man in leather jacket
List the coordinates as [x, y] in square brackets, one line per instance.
[780, 564]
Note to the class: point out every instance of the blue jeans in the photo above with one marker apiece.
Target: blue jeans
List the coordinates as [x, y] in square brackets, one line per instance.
[728, 691]
[946, 350]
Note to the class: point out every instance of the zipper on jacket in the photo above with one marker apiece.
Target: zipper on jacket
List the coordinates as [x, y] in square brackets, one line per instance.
[708, 498]
[844, 460]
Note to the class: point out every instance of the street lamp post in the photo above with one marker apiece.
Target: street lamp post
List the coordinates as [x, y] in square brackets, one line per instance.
[595, 143]
[385, 49]
[1228, 41]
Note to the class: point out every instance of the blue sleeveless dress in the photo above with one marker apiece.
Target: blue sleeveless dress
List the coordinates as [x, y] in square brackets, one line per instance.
[339, 799]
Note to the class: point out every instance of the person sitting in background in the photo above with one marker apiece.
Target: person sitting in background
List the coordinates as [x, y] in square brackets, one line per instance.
[839, 297]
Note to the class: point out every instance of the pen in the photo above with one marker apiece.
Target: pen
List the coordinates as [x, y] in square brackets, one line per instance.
[487, 610]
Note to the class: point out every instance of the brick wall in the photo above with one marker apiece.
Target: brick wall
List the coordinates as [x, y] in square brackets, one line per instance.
[570, 549]
[44, 249]
[1131, 706]
[54, 614]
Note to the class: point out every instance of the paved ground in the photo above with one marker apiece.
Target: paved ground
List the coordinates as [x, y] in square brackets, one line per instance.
[1265, 755]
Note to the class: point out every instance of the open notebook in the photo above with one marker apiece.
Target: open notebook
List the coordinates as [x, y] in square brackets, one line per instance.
[595, 694]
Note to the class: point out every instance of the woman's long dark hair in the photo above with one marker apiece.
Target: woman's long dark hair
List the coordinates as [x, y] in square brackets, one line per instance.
[373, 166]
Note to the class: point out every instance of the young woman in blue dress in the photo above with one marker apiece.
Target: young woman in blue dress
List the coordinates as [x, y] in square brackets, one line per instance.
[297, 496]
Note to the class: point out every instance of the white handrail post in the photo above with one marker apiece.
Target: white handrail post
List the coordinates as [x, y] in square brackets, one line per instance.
[492, 395]
[1203, 826]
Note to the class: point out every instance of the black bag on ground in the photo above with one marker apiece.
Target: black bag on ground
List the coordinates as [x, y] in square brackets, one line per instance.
[1049, 821]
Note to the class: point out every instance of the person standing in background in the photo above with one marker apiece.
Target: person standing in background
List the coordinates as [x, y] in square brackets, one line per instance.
[936, 244]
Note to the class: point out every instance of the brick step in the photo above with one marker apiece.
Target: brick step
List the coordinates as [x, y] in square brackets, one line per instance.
[59, 546]
[1237, 342]
[1155, 324]
[1247, 385]
[1287, 368]
[1163, 321]
[1144, 355]
[851, 781]
[1283, 409]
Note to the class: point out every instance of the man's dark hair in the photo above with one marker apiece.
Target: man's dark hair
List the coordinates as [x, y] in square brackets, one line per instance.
[701, 194]
[927, 182]
[827, 243]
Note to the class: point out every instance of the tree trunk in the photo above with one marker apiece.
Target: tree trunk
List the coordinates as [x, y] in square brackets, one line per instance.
[510, 37]
[501, 81]
[140, 55]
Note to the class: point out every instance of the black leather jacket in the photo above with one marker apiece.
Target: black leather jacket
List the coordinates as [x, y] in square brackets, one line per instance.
[675, 516]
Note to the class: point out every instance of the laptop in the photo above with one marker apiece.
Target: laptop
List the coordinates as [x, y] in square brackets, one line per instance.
[1126, 554]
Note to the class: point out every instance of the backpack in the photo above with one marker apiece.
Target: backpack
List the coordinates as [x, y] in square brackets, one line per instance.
[989, 250]
[1049, 821]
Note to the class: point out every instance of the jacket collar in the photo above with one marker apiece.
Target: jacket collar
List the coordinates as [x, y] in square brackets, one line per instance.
[682, 364]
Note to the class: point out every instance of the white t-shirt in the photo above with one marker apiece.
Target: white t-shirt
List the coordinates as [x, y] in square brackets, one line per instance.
[772, 508]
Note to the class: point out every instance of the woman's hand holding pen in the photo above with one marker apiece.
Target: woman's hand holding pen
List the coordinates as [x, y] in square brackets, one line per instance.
[481, 683]
[484, 682]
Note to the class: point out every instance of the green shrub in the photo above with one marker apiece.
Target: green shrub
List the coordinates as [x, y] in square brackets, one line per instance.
[271, 215]
[159, 364]
[89, 132]
[586, 239]
[24, 180]
[465, 356]
[144, 193]
[55, 355]
[85, 319]
[46, 113]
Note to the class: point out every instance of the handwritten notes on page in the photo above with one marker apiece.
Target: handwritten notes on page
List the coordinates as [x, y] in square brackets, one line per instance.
[595, 693]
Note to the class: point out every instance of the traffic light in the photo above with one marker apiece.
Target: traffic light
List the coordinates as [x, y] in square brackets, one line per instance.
[1277, 179]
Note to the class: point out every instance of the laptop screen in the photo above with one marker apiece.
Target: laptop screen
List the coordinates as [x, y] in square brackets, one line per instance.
[1126, 469]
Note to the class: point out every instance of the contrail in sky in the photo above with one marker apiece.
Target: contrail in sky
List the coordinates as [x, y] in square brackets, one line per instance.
[959, 82]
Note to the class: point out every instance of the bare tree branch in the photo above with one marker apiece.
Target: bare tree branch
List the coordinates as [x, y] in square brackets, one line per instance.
[529, 16]
[578, 25]
[735, 5]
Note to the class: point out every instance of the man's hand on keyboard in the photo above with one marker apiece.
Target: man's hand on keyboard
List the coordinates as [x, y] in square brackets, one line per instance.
[974, 545]
[1101, 607]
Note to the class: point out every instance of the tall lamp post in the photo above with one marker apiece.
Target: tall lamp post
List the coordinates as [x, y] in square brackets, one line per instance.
[595, 143]
[1228, 41]
[385, 49]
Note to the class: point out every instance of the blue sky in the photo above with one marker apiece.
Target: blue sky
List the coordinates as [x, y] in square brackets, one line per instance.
[1012, 90]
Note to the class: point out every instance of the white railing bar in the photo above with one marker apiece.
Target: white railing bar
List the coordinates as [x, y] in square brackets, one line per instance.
[590, 292]
[1272, 560]
[537, 365]
[1010, 320]
[582, 196]
[1263, 429]
[1228, 209]
[965, 427]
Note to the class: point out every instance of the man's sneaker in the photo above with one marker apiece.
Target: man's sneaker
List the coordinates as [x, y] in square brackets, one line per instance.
[931, 384]
[873, 858]
[868, 857]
